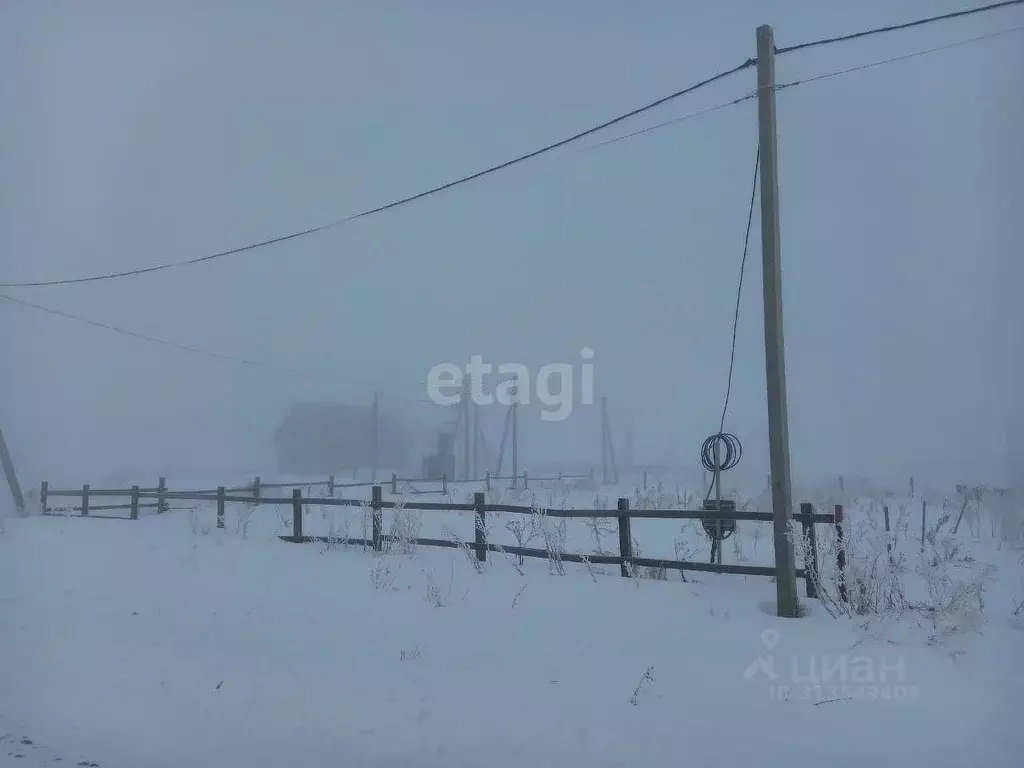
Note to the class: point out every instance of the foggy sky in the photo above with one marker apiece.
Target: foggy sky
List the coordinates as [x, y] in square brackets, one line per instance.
[137, 133]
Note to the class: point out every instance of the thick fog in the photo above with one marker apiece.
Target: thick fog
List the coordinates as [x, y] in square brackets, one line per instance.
[138, 133]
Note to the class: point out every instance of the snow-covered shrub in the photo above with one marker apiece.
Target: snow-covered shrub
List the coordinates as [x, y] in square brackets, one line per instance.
[955, 584]
[470, 553]
[599, 527]
[338, 526]
[523, 528]
[553, 533]
[652, 498]
[404, 530]
[435, 595]
[384, 573]
[872, 580]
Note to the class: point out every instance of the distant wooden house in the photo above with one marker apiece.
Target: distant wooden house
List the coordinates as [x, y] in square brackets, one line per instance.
[324, 438]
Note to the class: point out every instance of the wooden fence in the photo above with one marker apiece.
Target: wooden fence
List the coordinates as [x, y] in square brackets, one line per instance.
[625, 559]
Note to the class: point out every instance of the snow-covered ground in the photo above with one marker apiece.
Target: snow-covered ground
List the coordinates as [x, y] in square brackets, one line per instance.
[165, 642]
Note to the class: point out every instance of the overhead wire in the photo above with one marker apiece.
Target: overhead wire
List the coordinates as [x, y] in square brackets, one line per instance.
[895, 27]
[155, 340]
[893, 59]
[198, 350]
[739, 290]
[396, 203]
[675, 120]
[848, 70]
[750, 62]
[521, 158]
[712, 458]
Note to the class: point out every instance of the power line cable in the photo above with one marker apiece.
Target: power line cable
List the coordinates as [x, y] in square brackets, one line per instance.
[895, 27]
[711, 455]
[904, 57]
[739, 289]
[155, 340]
[197, 350]
[172, 264]
[396, 203]
[848, 70]
[521, 158]
[675, 120]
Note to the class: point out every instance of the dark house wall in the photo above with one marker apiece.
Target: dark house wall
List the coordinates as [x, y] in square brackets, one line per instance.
[316, 439]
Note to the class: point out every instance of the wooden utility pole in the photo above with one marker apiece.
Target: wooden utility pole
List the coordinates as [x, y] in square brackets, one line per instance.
[504, 440]
[607, 447]
[375, 438]
[480, 444]
[629, 463]
[775, 355]
[467, 417]
[474, 466]
[12, 478]
[515, 441]
[604, 440]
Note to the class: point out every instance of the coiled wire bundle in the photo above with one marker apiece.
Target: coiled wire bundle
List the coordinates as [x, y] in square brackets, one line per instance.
[720, 452]
[730, 449]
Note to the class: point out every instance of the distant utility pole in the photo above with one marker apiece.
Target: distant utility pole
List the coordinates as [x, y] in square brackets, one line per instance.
[607, 446]
[467, 417]
[604, 439]
[480, 444]
[12, 478]
[375, 439]
[474, 467]
[515, 440]
[629, 462]
[775, 355]
[504, 440]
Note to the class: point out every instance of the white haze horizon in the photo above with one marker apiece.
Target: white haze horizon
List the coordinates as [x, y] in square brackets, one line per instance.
[133, 134]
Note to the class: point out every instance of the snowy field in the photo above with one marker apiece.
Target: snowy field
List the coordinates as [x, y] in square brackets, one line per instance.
[167, 642]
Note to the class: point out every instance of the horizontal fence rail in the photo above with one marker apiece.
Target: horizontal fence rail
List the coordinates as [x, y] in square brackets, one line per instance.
[252, 495]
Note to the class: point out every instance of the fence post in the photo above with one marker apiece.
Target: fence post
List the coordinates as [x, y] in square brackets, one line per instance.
[810, 550]
[888, 538]
[297, 514]
[161, 501]
[479, 522]
[256, 487]
[378, 518]
[44, 491]
[330, 486]
[645, 479]
[85, 500]
[924, 514]
[526, 484]
[487, 481]
[625, 539]
[444, 484]
[133, 512]
[841, 554]
[221, 492]
[394, 484]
